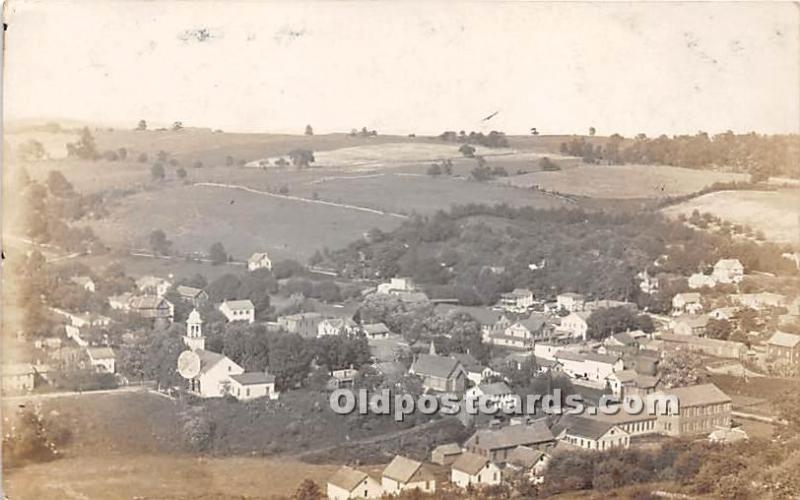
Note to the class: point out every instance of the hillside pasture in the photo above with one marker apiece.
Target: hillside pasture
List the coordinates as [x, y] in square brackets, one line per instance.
[372, 156]
[623, 181]
[775, 213]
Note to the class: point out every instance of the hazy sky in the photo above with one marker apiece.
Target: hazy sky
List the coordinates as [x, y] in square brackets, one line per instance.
[408, 67]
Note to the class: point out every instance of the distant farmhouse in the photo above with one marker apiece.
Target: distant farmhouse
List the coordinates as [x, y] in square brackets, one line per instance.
[238, 310]
[259, 260]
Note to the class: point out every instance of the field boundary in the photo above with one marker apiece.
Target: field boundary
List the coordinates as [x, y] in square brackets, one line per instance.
[298, 198]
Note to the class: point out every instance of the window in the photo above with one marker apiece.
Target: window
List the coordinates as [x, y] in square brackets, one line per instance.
[247, 392]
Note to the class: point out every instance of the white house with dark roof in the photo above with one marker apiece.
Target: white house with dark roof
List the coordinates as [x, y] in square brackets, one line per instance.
[406, 474]
[102, 359]
[521, 334]
[238, 310]
[252, 385]
[347, 483]
[476, 372]
[445, 454]
[591, 433]
[336, 326]
[728, 271]
[473, 469]
[259, 260]
[691, 324]
[376, 331]
[152, 307]
[533, 462]
[439, 373]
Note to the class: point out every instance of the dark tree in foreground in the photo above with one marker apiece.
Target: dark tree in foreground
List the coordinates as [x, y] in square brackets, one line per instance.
[467, 150]
[309, 130]
[157, 172]
[142, 125]
[308, 490]
[301, 158]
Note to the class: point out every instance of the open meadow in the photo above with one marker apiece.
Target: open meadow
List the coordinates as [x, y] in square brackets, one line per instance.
[775, 213]
[623, 181]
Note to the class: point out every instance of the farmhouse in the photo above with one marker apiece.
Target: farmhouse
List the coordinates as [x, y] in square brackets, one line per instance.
[445, 454]
[784, 348]
[691, 324]
[710, 347]
[405, 474]
[576, 324]
[591, 433]
[194, 296]
[589, 366]
[375, 331]
[259, 260]
[152, 307]
[84, 282]
[518, 300]
[253, 385]
[102, 359]
[238, 310]
[688, 302]
[349, 483]
[336, 326]
[701, 410]
[439, 373]
[303, 324]
[570, 301]
[497, 444]
[470, 468]
[153, 285]
[728, 271]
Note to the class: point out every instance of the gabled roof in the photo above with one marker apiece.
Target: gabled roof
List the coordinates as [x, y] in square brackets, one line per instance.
[512, 436]
[694, 321]
[585, 427]
[687, 297]
[782, 339]
[532, 324]
[435, 366]
[697, 395]
[148, 281]
[624, 375]
[482, 315]
[572, 295]
[447, 449]
[15, 369]
[470, 463]
[374, 328]
[586, 356]
[147, 302]
[584, 315]
[728, 264]
[208, 359]
[525, 456]
[257, 256]
[403, 469]
[188, 291]
[100, 352]
[239, 304]
[518, 292]
[81, 280]
[254, 378]
[347, 478]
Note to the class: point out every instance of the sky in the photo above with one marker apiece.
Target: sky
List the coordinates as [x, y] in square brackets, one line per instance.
[407, 67]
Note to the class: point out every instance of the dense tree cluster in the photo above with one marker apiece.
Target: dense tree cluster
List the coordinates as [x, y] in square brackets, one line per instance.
[493, 139]
[597, 253]
[604, 322]
[84, 148]
[762, 156]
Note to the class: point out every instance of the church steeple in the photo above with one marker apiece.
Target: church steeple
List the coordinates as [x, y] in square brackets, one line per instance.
[194, 338]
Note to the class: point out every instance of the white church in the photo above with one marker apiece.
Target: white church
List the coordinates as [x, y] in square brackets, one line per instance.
[214, 375]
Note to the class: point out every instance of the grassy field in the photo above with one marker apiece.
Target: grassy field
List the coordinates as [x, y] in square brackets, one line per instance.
[623, 181]
[159, 476]
[776, 213]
